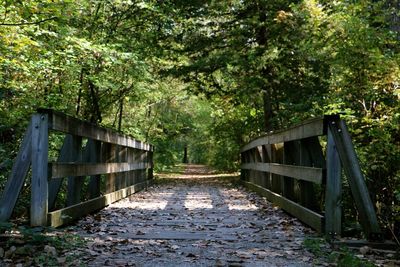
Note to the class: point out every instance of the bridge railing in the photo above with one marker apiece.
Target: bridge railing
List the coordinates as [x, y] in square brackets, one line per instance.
[100, 166]
[294, 167]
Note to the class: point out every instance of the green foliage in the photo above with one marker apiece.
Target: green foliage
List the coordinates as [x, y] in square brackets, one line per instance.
[43, 246]
[342, 256]
[208, 75]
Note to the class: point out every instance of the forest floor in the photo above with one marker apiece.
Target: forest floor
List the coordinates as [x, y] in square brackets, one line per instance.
[193, 218]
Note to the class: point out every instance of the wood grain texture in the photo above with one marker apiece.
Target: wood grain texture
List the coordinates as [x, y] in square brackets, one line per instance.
[333, 193]
[310, 174]
[17, 177]
[314, 127]
[59, 169]
[67, 124]
[356, 179]
[69, 214]
[39, 183]
[307, 216]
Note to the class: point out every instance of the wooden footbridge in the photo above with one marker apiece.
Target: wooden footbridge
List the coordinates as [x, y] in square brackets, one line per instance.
[298, 169]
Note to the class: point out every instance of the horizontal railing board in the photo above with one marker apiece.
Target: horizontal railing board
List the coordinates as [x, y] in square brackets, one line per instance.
[310, 174]
[310, 128]
[67, 124]
[60, 169]
[69, 214]
[307, 216]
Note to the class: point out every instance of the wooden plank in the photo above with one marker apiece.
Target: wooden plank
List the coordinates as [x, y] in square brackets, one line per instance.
[314, 148]
[59, 169]
[263, 176]
[123, 157]
[143, 174]
[356, 180]
[131, 174]
[69, 214]
[94, 182]
[109, 155]
[314, 127]
[39, 183]
[333, 193]
[17, 177]
[289, 156]
[307, 194]
[71, 125]
[310, 174]
[75, 183]
[268, 159]
[55, 184]
[307, 216]
[243, 172]
[277, 157]
[151, 165]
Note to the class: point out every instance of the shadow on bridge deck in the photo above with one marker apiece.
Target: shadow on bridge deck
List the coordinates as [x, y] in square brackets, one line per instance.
[194, 219]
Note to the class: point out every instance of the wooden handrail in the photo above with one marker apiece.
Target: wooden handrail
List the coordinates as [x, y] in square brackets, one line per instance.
[127, 164]
[273, 163]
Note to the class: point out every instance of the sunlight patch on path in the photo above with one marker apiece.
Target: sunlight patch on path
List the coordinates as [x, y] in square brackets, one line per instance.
[196, 200]
[236, 200]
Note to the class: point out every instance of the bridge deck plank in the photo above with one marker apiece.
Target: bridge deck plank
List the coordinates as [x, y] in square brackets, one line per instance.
[196, 222]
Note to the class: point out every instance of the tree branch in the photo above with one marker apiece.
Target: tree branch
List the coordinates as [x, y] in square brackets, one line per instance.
[27, 23]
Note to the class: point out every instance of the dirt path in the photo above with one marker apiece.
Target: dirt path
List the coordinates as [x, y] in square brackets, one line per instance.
[196, 221]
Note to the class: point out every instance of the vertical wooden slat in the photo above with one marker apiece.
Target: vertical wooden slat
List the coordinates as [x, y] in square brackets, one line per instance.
[74, 185]
[333, 195]
[268, 152]
[252, 174]
[39, 183]
[314, 148]
[356, 180]
[136, 159]
[263, 158]
[143, 173]
[289, 153]
[307, 194]
[110, 156]
[94, 157]
[276, 157]
[118, 176]
[55, 184]
[150, 161]
[124, 158]
[130, 159]
[257, 158]
[17, 177]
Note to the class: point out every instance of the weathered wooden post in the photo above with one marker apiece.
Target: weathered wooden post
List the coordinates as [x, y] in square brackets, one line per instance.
[333, 195]
[39, 182]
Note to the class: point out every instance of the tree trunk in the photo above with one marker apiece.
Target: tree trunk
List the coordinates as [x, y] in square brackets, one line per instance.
[121, 106]
[78, 102]
[267, 106]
